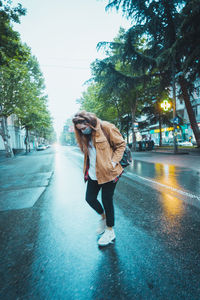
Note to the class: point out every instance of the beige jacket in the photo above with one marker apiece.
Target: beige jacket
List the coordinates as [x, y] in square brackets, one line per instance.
[105, 153]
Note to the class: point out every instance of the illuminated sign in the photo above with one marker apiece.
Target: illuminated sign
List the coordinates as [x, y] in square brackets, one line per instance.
[166, 105]
[163, 129]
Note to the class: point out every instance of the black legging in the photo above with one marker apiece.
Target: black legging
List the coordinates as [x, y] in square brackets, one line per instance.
[92, 191]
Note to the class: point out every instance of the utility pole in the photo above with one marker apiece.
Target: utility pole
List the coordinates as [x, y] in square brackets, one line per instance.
[174, 107]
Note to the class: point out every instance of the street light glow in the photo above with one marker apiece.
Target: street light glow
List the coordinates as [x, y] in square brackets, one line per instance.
[165, 105]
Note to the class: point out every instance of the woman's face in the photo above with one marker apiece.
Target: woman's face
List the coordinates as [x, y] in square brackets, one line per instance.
[82, 125]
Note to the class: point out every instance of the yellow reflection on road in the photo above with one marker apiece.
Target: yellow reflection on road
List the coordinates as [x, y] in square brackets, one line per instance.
[172, 206]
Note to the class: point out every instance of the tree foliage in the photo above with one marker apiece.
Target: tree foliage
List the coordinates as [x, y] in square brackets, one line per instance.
[22, 94]
[22, 89]
[10, 45]
[187, 45]
[171, 32]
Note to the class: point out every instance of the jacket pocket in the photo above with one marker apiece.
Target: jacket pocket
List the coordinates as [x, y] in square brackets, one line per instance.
[113, 168]
[101, 143]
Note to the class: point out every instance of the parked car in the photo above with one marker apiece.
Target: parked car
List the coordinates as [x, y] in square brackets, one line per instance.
[185, 143]
[41, 147]
[181, 143]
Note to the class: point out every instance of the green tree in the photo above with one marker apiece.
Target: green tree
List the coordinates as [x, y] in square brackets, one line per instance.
[10, 48]
[10, 45]
[187, 44]
[11, 82]
[92, 100]
[32, 107]
[161, 22]
[120, 77]
[186, 50]
[22, 94]
[34, 116]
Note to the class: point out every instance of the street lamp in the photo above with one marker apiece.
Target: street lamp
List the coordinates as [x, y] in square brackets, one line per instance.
[166, 105]
[175, 118]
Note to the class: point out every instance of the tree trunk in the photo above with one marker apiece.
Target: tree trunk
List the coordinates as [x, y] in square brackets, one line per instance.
[127, 133]
[6, 137]
[133, 110]
[27, 140]
[118, 113]
[190, 111]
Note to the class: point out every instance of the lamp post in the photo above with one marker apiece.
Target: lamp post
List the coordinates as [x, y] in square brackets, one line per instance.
[174, 107]
[165, 105]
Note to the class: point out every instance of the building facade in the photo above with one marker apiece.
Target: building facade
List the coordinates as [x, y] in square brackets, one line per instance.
[17, 136]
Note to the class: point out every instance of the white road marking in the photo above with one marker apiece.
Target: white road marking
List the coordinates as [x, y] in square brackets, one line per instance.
[130, 175]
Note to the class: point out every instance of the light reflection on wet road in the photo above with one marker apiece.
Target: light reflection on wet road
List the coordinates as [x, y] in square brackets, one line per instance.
[53, 254]
[183, 178]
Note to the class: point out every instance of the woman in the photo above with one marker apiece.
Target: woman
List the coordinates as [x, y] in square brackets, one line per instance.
[103, 148]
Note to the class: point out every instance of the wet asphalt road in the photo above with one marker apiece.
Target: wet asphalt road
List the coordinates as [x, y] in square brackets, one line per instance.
[48, 243]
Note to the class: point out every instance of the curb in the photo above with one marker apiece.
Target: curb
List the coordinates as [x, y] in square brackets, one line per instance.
[171, 153]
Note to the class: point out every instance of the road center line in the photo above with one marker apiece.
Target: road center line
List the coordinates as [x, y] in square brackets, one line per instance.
[130, 175]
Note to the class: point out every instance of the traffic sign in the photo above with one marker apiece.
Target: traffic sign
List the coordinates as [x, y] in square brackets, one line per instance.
[176, 120]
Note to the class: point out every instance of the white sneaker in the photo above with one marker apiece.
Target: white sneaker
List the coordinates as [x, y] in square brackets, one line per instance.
[107, 237]
[102, 226]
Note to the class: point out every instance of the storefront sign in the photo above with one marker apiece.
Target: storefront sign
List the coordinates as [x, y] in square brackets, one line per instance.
[162, 130]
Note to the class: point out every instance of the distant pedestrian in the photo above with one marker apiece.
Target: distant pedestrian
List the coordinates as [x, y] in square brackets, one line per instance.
[151, 144]
[103, 147]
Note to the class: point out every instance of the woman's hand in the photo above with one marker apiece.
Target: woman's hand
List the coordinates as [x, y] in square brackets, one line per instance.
[113, 163]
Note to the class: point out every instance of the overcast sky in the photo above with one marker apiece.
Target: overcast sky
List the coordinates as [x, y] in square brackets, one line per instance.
[63, 35]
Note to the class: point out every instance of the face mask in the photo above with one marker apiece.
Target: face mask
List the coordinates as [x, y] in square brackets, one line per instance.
[87, 130]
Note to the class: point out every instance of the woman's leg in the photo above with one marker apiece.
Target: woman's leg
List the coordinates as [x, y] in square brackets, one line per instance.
[91, 196]
[107, 200]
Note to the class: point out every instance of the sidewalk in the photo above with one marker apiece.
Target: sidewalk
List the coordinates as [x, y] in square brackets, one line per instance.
[191, 151]
[190, 160]
[4, 158]
[23, 179]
